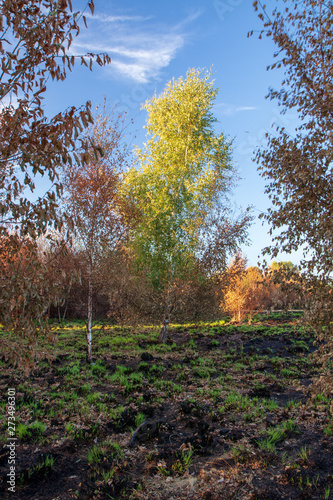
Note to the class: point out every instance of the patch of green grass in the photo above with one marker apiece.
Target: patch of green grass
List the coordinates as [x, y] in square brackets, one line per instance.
[192, 344]
[270, 404]
[69, 428]
[168, 386]
[107, 475]
[42, 468]
[328, 429]
[71, 396]
[250, 417]
[114, 413]
[139, 419]
[98, 370]
[239, 367]
[181, 376]
[163, 348]
[304, 453]
[38, 428]
[85, 389]
[122, 370]
[237, 402]
[72, 370]
[287, 373]
[163, 470]
[214, 393]
[289, 425]
[156, 369]
[96, 454]
[128, 382]
[291, 404]
[197, 361]
[274, 435]
[320, 398]
[183, 463]
[22, 431]
[240, 452]
[301, 345]
[203, 371]
[267, 445]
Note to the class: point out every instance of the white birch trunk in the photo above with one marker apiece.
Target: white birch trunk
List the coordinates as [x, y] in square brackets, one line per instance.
[89, 323]
[89, 334]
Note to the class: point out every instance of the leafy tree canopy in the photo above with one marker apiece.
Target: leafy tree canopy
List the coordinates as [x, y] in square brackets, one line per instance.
[298, 164]
[35, 38]
[183, 170]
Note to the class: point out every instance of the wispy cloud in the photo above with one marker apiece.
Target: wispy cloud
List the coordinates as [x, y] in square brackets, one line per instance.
[139, 47]
[140, 57]
[226, 109]
[246, 108]
[105, 18]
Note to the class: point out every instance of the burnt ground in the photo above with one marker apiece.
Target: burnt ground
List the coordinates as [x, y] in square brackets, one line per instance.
[221, 412]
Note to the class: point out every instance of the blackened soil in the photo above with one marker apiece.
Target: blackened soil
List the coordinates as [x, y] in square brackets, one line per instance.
[223, 412]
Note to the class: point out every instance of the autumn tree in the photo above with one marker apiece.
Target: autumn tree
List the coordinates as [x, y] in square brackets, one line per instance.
[283, 266]
[35, 41]
[279, 281]
[298, 166]
[35, 45]
[245, 289]
[184, 171]
[30, 279]
[298, 163]
[66, 263]
[94, 204]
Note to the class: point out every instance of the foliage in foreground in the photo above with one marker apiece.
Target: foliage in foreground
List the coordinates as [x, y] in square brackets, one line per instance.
[298, 164]
[34, 50]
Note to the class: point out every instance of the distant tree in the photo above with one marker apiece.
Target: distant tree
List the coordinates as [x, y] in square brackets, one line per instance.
[35, 37]
[244, 290]
[279, 281]
[184, 171]
[222, 235]
[248, 290]
[94, 204]
[283, 266]
[233, 302]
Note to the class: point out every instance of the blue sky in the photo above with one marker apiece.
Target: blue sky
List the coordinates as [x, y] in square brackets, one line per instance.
[150, 42]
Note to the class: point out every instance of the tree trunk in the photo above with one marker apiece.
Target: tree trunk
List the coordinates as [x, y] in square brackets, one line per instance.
[163, 338]
[89, 334]
[65, 312]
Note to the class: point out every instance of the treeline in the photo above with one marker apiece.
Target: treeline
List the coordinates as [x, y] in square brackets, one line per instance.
[59, 287]
[238, 292]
